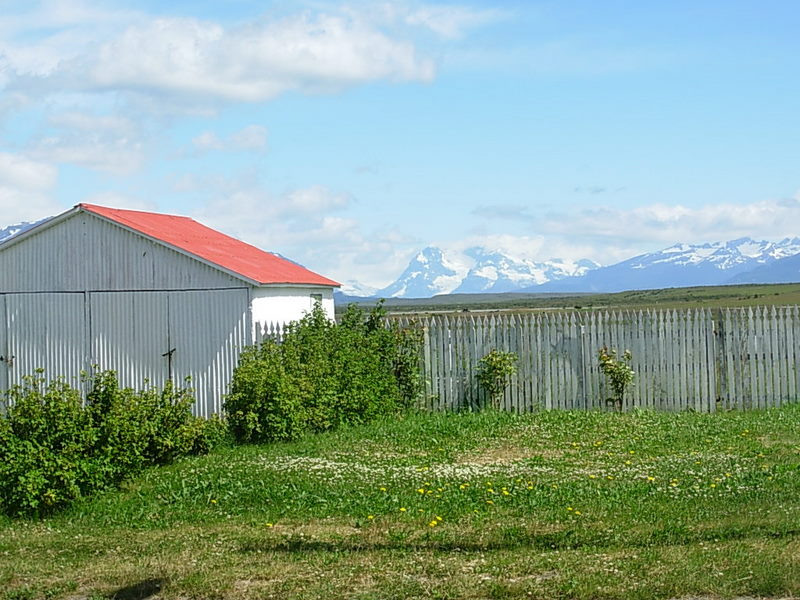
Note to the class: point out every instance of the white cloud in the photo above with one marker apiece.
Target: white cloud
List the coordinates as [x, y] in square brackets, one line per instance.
[449, 21]
[207, 141]
[313, 200]
[106, 143]
[38, 36]
[205, 61]
[661, 223]
[26, 188]
[23, 173]
[251, 138]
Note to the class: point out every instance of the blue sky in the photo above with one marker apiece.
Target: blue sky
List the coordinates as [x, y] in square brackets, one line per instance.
[349, 135]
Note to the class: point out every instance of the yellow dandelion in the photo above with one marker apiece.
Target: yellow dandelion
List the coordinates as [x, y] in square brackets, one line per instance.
[268, 525]
[438, 518]
[577, 512]
[433, 523]
[402, 509]
[370, 517]
[490, 502]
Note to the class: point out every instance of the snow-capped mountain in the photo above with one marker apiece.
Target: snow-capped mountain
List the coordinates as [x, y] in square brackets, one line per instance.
[679, 266]
[429, 273]
[496, 271]
[783, 270]
[355, 289]
[477, 270]
[12, 230]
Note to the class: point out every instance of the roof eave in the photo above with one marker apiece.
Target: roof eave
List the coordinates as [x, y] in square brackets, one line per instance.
[333, 284]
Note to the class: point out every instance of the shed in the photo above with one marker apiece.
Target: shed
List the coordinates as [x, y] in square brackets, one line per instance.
[151, 296]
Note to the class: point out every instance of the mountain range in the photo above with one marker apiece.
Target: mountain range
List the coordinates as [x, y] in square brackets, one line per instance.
[12, 230]
[479, 270]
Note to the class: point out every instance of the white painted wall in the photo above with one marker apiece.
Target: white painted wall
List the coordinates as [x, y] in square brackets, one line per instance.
[281, 304]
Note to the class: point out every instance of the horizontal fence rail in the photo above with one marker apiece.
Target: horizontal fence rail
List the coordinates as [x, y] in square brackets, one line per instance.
[690, 359]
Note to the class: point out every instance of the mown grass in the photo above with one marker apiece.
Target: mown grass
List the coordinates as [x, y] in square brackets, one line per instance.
[490, 505]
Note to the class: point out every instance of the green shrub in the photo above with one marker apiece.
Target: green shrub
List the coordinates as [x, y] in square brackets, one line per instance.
[494, 369]
[55, 448]
[618, 372]
[323, 375]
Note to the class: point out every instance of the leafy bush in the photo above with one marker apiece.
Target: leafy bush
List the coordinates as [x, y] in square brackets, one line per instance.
[618, 372]
[494, 369]
[323, 375]
[55, 448]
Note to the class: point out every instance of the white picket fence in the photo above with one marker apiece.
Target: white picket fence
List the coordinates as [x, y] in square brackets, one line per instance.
[689, 359]
[268, 331]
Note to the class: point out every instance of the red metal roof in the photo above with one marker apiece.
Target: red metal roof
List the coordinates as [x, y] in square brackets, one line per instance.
[212, 246]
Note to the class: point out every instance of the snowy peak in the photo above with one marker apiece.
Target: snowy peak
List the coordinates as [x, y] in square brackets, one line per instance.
[429, 273]
[351, 287]
[495, 271]
[13, 230]
[731, 255]
[476, 270]
[681, 265]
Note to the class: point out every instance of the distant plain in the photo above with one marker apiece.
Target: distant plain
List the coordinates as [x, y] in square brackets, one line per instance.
[709, 297]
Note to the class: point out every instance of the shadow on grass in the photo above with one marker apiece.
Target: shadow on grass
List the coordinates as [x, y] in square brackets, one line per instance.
[570, 539]
[139, 591]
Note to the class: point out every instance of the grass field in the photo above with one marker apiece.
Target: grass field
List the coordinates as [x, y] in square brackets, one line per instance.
[733, 296]
[489, 505]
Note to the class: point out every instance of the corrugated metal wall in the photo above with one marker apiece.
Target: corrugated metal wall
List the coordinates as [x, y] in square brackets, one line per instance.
[84, 252]
[45, 331]
[129, 332]
[144, 336]
[208, 331]
[3, 345]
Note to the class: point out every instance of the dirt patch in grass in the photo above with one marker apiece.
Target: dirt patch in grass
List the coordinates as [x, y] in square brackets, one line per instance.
[510, 453]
